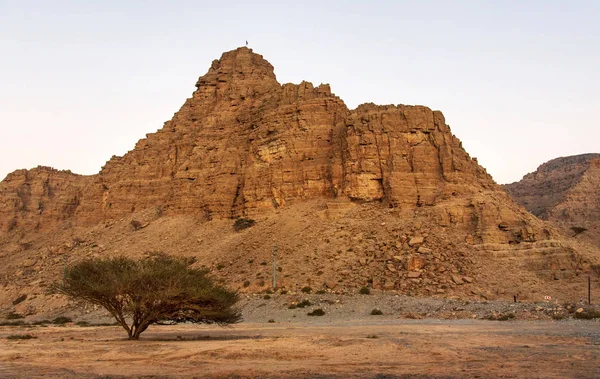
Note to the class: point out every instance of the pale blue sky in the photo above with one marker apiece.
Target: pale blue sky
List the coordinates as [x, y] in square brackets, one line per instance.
[518, 81]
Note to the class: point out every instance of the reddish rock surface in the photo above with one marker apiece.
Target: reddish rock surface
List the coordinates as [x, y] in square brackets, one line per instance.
[383, 196]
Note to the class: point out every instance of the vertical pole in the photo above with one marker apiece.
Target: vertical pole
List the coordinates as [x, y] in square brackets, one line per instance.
[64, 271]
[589, 290]
[274, 266]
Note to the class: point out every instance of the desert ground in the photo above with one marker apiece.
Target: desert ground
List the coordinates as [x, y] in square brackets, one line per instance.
[350, 344]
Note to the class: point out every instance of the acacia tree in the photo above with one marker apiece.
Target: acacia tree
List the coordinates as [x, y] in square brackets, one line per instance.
[157, 289]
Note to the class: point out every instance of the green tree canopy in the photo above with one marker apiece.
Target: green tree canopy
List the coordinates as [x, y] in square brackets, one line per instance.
[139, 293]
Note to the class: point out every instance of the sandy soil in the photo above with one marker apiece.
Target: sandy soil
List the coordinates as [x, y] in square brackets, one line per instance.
[320, 348]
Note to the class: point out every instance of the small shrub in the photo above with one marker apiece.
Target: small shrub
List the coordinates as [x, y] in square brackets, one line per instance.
[292, 306]
[317, 312]
[578, 230]
[267, 297]
[263, 263]
[365, 291]
[306, 289]
[269, 292]
[41, 322]
[19, 299]
[321, 292]
[242, 223]
[82, 323]
[372, 336]
[587, 314]
[271, 321]
[61, 320]
[250, 261]
[13, 316]
[220, 267]
[246, 284]
[376, 312]
[20, 337]
[500, 317]
[283, 292]
[304, 303]
[136, 225]
[12, 323]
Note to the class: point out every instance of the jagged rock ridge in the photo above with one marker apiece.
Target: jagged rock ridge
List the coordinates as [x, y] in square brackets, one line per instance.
[564, 191]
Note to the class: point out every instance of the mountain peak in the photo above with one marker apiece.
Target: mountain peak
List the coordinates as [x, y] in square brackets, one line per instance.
[237, 66]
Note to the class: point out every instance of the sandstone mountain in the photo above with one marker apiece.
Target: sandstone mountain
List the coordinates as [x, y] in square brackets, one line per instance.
[564, 191]
[380, 196]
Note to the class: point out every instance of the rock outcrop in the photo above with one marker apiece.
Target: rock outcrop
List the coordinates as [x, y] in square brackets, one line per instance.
[564, 191]
[243, 144]
[383, 196]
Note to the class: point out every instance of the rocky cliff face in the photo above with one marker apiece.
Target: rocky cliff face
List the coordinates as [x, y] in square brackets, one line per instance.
[564, 191]
[244, 144]
[380, 195]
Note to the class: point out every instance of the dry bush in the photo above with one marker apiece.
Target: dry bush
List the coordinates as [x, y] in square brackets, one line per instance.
[316, 312]
[243, 223]
[149, 291]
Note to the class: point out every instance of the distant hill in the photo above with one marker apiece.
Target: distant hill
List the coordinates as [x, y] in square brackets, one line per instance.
[565, 191]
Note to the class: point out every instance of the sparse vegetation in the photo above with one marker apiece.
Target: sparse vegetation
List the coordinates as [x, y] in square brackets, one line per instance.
[243, 223]
[304, 303]
[306, 289]
[372, 336]
[587, 314]
[376, 312]
[157, 289]
[12, 323]
[578, 230]
[13, 316]
[41, 322]
[246, 283]
[220, 267]
[271, 321]
[321, 292]
[267, 297]
[283, 292]
[365, 291]
[20, 337]
[136, 225]
[499, 316]
[19, 299]
[61, 320]
[316, 312]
